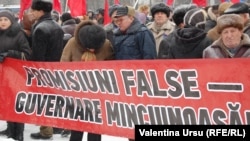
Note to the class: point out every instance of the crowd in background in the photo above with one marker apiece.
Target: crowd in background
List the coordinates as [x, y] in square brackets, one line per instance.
[156, 32]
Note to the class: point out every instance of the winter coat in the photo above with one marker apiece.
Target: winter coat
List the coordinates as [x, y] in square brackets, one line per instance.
[69, 26]
[47, 40]
[73, 50]
[247, 28]
[184, 43]
[14, 42]
[137, 43]
[218, 49]
[165, 30]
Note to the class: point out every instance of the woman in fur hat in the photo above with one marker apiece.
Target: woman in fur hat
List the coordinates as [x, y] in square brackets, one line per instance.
[88, 44]
[15, 45]
[233, 43]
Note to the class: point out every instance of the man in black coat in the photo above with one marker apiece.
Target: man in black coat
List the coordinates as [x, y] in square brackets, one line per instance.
[47, 45]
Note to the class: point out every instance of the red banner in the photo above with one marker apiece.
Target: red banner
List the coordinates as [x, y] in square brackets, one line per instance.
[110, 97]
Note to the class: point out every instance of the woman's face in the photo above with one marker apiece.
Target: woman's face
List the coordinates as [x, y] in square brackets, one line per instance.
[231, 37]
[5, 23]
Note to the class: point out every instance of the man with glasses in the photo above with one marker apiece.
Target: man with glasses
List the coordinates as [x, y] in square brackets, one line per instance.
[132, 40]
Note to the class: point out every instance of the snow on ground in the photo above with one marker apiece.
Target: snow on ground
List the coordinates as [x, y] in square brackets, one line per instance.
[30, 128]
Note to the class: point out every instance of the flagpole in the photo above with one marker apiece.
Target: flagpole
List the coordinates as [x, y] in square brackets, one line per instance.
[66, 5]
[136, 4]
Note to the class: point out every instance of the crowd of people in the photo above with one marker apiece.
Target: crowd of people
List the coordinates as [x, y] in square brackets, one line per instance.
[184, 32]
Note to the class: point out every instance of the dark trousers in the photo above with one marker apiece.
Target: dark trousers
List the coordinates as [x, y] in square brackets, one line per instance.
[15, 130]
[77, 136]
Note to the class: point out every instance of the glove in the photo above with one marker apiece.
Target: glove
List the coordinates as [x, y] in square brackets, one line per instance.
[2, 56]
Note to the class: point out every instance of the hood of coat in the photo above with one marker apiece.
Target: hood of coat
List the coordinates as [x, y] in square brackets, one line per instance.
[13, 30]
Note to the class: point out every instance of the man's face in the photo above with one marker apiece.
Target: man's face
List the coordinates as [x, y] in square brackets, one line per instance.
[160, 18]
[123, 22]
[231, 37]
[36, 14]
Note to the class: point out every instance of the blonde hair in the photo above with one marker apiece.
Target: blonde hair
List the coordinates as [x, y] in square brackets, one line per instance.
[143, 8]
[88, 55]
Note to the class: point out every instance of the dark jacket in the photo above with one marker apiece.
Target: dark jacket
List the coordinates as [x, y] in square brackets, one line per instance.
[69, 26]
[14, 42]
[184, 43]
[137, 43]
[47, 40]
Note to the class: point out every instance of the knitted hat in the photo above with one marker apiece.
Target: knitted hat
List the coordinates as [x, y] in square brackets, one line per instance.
[229, 20]
[66, 16]
[160, 7]
[125, 10]
[180, 11]
[223, 6]
[8, 14]
[92, 36]
[196, 17]
[44, 5]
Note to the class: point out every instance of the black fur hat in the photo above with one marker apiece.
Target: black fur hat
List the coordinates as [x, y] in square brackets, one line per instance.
[44, 5]
[66, 16]
[92, 36]
[160, 7]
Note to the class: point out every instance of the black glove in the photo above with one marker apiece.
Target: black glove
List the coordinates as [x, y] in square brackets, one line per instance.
[2, 56]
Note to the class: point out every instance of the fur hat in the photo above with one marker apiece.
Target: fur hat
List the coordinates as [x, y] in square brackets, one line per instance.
[92, 36]
[237, 8]
[125, 10]
[66, 16]
[196, 17]
[180, 11]
[223, 6]
[229, 20]
[44, 5]
[160, 7]
[8, 14]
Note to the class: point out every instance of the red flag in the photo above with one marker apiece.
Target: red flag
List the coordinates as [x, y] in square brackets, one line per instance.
[117, 2]
[235, 1]
[77, 8]
[106, 13]
[169, 2]
[200, 3]
[57, 6]
[25, 4]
